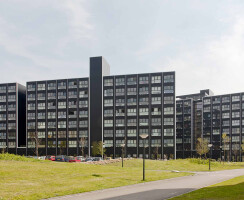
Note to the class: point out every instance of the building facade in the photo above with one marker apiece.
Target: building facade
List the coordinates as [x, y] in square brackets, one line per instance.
[12, 117]
[57, 116]
[136, 104]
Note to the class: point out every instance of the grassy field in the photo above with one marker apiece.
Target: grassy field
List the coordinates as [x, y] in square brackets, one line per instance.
[183, 165]
[22, 178]
[232, 189]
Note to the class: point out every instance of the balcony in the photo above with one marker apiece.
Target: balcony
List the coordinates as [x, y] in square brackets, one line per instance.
[3, 90]
[51, 88]
[31, 89]
[143, 113]
[131, 83]
[143, 123]
[2, 118]
[83, 95]
[62, 97]
[120, 104]
[3, 100]
[120, 114]
[144, 82]
[72, 116]
[156, 113]
[131, 124]
[120, 93]
[131, 93]
[131, 114]
[41, 88]
[60, 87]
[86, 115]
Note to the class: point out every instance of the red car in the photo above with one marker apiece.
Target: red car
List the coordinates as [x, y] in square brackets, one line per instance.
[72, 159]
[52, 158]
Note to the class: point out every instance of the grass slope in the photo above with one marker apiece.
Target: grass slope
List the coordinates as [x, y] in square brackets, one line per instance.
[43, 179]
[232, 189]
[183, 165]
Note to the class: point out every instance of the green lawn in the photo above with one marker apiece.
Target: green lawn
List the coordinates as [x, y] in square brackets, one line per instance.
[22, 178]
[183, 165]
[232, 189]
[37, 180]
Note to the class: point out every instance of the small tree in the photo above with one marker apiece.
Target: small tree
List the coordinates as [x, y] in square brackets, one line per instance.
[37, 142]
[62, 145]
[242, 146]
[202, 147]
[156, 152]
[225, 140]
[235, 149]
[97, 148]
[82, 143]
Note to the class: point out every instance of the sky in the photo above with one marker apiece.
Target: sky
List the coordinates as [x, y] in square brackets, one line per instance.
[203, 41]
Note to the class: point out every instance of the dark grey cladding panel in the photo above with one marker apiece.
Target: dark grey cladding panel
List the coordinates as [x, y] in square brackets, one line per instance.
[98, 68]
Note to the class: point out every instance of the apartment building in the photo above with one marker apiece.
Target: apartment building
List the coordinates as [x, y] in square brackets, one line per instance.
[57, 116]
[136, 104]
[12, 117]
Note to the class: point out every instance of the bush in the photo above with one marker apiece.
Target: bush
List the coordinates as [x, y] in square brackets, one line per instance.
[200, 161]
[8, 156]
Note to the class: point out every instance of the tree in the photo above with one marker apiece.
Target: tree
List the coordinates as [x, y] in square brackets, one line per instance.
[235, 149]
[97, 148]
[82, 143]
[37, 142]
[62, 145]
[225, 140]
[242, 146]
[202, 146]
[156, 152]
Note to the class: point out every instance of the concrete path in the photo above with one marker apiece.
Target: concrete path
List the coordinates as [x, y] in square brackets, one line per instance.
[157, 190]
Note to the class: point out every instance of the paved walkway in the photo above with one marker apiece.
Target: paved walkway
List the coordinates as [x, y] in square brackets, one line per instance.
[157, 190]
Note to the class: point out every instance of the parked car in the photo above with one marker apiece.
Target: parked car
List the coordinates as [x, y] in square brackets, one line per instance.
[81, 158]
[109, 158]
[60, 158]
[97, 159]
[52, 158]
[71, 159]
[88, 159]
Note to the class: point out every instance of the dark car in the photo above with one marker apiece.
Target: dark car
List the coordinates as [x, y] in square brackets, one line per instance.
[60, 158]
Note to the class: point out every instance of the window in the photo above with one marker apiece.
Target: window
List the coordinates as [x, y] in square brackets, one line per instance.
[41, 125]
[235, 114]
[51, 134]
[51, 144]
[41, 115]
[120, 122]
[235, 122]
[108, 102]
[156, 90]
[61, 134]
[131, 91]
[83, 94]
[72, 94]
[168, 89]
[143, 90]
[168, 132]
[108, 82]
[236, 131]
[216, 131]
[30, 125]
[169, 79]
[83, 124]
[72, 104]
[2, 135]
[143, 111]
[156, 79]
[41, 86]
[207, 101]
[131, 132]
[236, 98]
[131, 143]
[225, 99]
[120, 133]
[72, 124]
[62, 104]
[156, 143]
[169, 111]
[168, 100]
[143, 101]
[72, 134]
[51, 95]
[168, 121]
[108, 133]
[120, 92]
[51, 86]
[41, 96]
[131, 122]
[62, 124]
[84, 113]
[31, 87]
[83, 133]
[225, 107]
[31, 106]
[143, 80]
[31, 116]
[62, 85]
[108, 92]
[61, 95]
[108, 123]
[131, 112]
[73, 84]
[120, 81]
[108, 113]
[83, 84]
[120, 102]
[235, 106]
[168, 142]
[143, 122]
[156, 121]
[83, 104]
[61, 144]
[225, 123]
[156, 132]
[156, 111]
[131, 81]
[108, 143]
[72, 144]
[131, 101]
[62, 114]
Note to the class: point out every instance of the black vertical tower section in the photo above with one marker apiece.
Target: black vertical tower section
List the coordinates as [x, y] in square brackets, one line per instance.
[98, 68]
